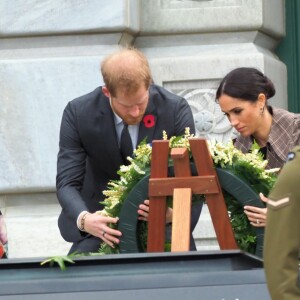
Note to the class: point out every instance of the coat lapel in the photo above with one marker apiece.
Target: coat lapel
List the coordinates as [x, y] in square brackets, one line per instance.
[147, 129]
[109, 135]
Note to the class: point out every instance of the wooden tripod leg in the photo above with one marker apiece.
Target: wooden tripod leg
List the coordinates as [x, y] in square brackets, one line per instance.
[157, 206]
[215, 202]
[220, 219]
[181, 227]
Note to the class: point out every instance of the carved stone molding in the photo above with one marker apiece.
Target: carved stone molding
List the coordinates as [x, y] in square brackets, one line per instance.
[210, 121]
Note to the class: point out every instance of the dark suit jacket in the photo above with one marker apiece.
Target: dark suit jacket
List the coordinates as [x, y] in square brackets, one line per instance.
[89, 155]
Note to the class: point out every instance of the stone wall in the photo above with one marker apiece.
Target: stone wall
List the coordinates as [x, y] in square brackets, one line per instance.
[50, 52]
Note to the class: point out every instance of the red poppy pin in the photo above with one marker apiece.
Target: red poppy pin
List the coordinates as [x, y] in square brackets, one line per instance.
[149, 121]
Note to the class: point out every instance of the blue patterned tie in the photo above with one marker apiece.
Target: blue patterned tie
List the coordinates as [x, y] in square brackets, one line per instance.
[125, 144]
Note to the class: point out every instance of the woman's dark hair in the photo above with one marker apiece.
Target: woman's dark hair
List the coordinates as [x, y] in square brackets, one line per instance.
[245, 84]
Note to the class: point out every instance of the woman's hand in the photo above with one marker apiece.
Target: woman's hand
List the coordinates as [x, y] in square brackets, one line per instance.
[98, 225]
[143, 212]
[257, 216]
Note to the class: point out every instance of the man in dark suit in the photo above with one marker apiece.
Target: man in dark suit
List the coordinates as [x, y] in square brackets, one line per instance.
[90, 137]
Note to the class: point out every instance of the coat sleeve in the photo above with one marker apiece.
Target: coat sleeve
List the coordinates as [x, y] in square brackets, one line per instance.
[183, 117]
[71, 162]
[282, 234]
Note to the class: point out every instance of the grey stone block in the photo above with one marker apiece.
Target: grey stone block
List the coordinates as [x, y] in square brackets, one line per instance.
[190, 16]
[32, 230]
[34, 17]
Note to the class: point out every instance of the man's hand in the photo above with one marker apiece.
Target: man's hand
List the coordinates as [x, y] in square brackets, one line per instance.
[98, 225]
[143, 212]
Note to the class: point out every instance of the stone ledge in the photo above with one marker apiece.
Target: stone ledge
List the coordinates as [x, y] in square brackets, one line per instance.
[80, 41]
[61, 17]
[174, 16]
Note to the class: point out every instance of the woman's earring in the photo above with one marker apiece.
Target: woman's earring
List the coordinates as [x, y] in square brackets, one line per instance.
[262, 109]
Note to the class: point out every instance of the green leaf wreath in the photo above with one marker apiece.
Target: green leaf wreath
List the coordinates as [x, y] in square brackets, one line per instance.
[249, 167]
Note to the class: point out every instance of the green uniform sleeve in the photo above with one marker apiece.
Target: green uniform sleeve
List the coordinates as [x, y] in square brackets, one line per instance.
[282, 234]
